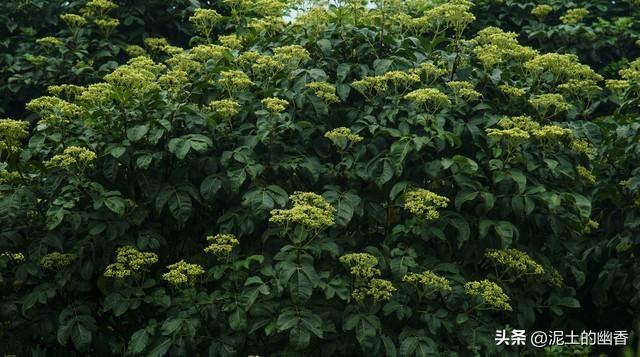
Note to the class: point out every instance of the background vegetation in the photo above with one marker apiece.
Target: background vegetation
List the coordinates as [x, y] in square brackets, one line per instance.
[396, 179]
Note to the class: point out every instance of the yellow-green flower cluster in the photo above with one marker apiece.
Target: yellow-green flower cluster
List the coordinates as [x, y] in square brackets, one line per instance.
[226, 108]
[586, 174]
[100, 6]
[265, 8]
[183, 273]
[552, 133]
[455, 15]
[130, 261]
[8, 177]
[428, 280]
[583, 147]
[49, 42]
[135, 51]
[184, 62]
[494, 47]
[147, 64]
[292, 55]
[315, 19]
[541, 11]
[563, 66]
[514, 260]
[268, 25]
[133, 78]
[430, 98]
[267, 66]
[309, 210]
[53, 109]
[97, 94]
[424, 203]
[342, 134]
[590, 226]
[581, 88]
[203, 53]
[618, 85]
[381, 289]
[553, 276]
[107, 25]
[324, 90]
[633, 72]
[68, 91]
[573, 16]
[275, 105]
[173, 81]
[490, 293]
[514, 136]
[401, 79]
[512, 91]
[370, 85]
[234, 80]
[221, 245]
[552, 103]
[231, 41]
[430, 71]
[205, 20]
[72, 156]
[361, 265]
[73, 20]
[57, 260]
[11, 133]
[14, 257]
[464, 90]
[161, 45]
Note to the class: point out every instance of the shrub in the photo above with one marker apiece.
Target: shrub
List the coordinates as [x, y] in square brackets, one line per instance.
[385, 181]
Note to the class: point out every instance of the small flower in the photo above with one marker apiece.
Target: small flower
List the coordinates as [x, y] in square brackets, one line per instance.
[184, 62]
[147, 64]
[11, 134]
[573, 16]
[54, 110]
[57, 260]
[107, 25]
[49, 42]
[183, 274]
[266, 66]
[324, 90]
[231, 41]
[590, 226]
[292, 56]
[130, 261]
[203, 53]
[583, 147]
[161, 45]
[618, 86]
[490, 293]
[100, 6]
[234, 80]
[563, 67]
[275, 105]
[68, 91]
[371, 85]
[541, 11]
[552, 133]
[512, 91]
[173, 81]
[586, 174]
[221, 245]
[97, 94]
[342, 136]
[401, 79]
[431, 98]
[515, 260]
[381, 290]
[430, 71]
[424, 204]
[14, 257]
[309, 210]
[135, 79]
[428, 280]
[550, 102]
[72, 156]
[464, 90]
[205, 20]
[73, 20]
[135, 51]
[226, 108]
[361, 265]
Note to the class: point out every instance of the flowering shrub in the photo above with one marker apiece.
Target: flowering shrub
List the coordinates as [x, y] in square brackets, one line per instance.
[388, 181]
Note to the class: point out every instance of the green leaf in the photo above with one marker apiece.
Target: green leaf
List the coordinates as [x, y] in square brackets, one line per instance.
[210, 187]
[115, 204]
[137, 132]
[180, 205]
[138, 342]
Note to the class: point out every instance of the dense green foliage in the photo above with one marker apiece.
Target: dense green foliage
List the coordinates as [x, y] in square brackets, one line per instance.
[397, 181]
